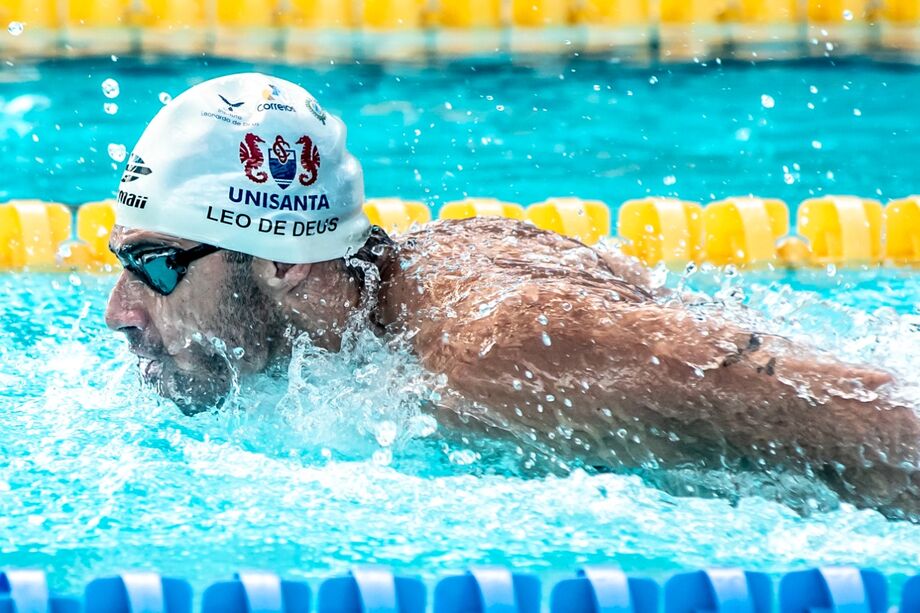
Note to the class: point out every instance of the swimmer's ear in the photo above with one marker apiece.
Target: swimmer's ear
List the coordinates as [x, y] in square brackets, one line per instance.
[278, 278]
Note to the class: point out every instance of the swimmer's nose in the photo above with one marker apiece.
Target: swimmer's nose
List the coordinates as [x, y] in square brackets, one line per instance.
[124, 312]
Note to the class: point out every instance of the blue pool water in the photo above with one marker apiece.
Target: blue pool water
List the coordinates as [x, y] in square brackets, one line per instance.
[98, 475]
[521, 132]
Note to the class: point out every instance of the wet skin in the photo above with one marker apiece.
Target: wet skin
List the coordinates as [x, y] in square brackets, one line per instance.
[561, 345]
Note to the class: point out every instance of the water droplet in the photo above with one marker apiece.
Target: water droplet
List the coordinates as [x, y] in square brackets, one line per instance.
[462, 457]
[165, 98]
[788, 179]
[857, 112]
[385, 433]
[238, 353]
[382, 457]
[767, 101]
[110, 88]
[550, 398]
[813, 89]
[743, 134]
[653, 80]
[547, 340]
[543, 320]
[117, 152]
[831, 270]
[566, 306]
[516, 384]
[15, 28]
[816, 144]
[110, 108]
[655, 360]
[848, 15]
[669, 180]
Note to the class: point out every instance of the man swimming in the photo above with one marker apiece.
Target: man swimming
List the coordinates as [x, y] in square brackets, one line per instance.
[241, 230]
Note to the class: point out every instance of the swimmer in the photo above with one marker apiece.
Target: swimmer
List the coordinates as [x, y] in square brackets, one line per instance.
[241, 229]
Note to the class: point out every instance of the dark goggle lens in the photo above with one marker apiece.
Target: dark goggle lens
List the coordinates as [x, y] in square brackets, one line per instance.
[160, 273]
[154, 269]
[162, 268]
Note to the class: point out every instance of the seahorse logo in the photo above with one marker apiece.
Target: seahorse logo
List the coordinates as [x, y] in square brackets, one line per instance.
[282, 162]
[309, 161]
[251, 157]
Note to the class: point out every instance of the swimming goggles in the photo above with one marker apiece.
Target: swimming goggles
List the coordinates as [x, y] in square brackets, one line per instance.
[161, 267]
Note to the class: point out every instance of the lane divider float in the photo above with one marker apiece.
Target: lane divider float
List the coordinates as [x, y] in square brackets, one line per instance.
[745, 232]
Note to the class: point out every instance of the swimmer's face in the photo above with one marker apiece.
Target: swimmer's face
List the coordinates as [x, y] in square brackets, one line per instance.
[188, 343]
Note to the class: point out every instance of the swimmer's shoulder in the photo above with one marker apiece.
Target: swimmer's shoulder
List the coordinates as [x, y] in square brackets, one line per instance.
[493, 238]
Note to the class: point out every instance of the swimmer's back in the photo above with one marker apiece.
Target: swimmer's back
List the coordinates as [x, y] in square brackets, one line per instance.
[455, 264]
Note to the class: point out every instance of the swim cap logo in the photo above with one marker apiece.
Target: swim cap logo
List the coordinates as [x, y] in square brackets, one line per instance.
[271, 94]
[252, 158]
[317, 110]
[135, 169]
[231, 106]
[282, 162]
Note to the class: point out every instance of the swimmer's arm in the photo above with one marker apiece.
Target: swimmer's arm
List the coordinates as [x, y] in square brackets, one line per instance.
[653, 383]
[624, 266]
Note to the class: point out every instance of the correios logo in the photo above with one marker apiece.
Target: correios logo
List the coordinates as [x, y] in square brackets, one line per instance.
[271, 95]
[283, 163]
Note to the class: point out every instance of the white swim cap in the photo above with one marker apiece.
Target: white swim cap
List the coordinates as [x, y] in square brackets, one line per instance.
[249, 163]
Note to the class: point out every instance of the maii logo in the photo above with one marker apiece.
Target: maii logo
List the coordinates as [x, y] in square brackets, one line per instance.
[271, 94]
[282, 161]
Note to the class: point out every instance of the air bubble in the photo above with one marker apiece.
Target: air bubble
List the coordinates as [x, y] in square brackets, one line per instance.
[15, 28]
[669, 180]
[110, 108]
[165, 98]
[767, 101]
[848, 15]
[110, 88]
[547, 340]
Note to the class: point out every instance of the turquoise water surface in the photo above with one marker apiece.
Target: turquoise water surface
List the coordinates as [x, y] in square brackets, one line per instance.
[521, 132]
[340, 466]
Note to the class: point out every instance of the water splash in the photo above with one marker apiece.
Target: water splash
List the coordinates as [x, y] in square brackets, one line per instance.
[97, 473]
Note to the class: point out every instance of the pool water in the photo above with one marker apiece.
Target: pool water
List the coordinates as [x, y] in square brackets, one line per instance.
[339, 466]
[518, 131]
[98, 475]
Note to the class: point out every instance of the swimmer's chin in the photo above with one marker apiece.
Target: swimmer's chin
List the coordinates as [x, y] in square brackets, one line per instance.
[190, 392]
